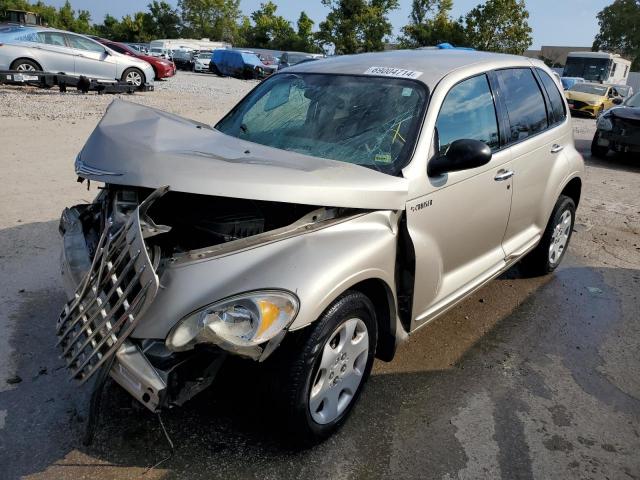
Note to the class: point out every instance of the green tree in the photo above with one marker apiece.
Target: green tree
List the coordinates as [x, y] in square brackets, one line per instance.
[162, 20]
[214, 19]
[306, 39]
[270, 30]
[620, 30]
[67, 19]
[110, 28]
[499, 26]
[354, 26]
[430, 24]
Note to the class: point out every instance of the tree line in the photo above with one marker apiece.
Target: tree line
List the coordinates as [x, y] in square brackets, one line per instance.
[351, 26]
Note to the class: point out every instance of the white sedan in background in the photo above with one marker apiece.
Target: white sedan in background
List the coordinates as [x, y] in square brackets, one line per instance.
[201, 62]
[50, 50]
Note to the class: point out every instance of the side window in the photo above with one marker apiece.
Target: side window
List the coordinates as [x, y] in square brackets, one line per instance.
[524, 101]
[82, 43]
[468, 112]
[51, 38]
[118, 49]
[557, 104]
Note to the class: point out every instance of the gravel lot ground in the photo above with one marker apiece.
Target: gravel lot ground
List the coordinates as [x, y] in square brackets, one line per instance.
[198, 96]
[529, 378]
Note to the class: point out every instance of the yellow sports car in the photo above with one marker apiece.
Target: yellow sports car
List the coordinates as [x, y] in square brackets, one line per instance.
[590, 98]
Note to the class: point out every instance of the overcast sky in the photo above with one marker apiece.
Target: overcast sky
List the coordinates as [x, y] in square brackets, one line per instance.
[554, 22]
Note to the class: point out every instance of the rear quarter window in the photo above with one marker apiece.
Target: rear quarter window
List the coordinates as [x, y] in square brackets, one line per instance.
[524, 102]
[558, 112]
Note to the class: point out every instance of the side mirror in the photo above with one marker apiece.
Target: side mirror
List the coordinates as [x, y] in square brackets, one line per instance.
[461, 155]
[617, 101]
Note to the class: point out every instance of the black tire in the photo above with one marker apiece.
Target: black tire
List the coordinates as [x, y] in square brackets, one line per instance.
[538, 261]
[598, 151]
[134, 72]
[298, 364]
[26, 65]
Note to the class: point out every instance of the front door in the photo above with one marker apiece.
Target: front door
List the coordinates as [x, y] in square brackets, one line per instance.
[457, 229]
[91, 58]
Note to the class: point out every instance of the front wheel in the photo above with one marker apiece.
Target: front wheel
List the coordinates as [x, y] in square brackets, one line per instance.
[134, 77]
[546, 257]
[324, 375]
[597, 150]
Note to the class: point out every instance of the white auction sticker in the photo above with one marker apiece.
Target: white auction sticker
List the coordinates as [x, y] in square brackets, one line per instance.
[392, 72]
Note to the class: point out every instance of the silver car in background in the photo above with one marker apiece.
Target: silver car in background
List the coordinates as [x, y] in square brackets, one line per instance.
[50, 50]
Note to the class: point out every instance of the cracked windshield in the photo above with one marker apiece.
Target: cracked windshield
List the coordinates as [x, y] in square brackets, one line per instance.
[368, 121]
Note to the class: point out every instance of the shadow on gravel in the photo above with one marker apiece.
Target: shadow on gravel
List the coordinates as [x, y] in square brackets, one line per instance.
[402, 426]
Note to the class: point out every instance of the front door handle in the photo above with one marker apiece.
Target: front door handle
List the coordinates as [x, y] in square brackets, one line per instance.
[503, 175]
[555, 148]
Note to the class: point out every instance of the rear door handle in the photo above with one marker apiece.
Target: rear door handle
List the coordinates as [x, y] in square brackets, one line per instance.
[503, 175]
[556, 148]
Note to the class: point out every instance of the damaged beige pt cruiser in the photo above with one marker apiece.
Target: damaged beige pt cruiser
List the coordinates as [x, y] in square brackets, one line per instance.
[340, 206]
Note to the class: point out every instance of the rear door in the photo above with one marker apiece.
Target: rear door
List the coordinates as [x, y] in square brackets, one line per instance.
[91, 58]
[539, 132]
[55, 55]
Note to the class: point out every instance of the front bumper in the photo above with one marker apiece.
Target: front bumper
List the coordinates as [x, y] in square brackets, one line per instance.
[166, 71]
[591, 110]
[619, 143]
[158, 378]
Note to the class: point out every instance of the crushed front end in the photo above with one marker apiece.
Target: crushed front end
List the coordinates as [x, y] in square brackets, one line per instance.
[111, 296]
[119, 270]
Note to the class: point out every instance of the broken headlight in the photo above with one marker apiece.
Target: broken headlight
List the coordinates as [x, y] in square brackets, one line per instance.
[243, 321]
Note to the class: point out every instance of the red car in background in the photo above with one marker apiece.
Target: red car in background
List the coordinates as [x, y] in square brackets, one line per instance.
[162, 68]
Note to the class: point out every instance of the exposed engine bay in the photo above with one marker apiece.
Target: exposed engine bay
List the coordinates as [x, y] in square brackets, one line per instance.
[195, 221]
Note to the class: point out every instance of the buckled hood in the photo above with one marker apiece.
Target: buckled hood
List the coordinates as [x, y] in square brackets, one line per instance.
[141, 146]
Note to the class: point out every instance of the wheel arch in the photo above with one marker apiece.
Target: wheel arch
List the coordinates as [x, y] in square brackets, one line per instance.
[26, 58]
[381, 295]
[573, 189]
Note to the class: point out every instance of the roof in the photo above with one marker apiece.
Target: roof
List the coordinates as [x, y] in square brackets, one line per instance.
[598, 55]
[432, 64]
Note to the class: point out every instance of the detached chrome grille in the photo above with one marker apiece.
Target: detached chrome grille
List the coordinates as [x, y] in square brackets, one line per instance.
[114, 294]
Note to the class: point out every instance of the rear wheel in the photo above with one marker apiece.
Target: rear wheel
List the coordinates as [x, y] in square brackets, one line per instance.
[546, 257]
[133, 76]
[25, 65]
[599, 151]
[322, 376]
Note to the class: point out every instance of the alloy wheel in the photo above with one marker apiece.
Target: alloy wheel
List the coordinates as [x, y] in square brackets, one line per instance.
[26, 67]
[560, 237]
[342, 365]
[134, 78]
